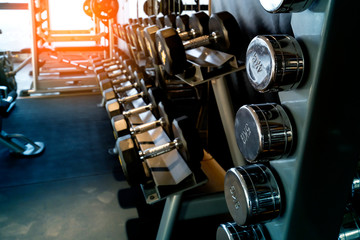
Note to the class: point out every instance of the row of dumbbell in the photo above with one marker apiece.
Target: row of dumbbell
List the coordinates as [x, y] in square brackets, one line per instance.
[271, 119]
[120, 110]
[273, 62]
[264, 132]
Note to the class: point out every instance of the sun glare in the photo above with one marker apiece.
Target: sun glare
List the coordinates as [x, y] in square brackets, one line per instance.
[68, 15]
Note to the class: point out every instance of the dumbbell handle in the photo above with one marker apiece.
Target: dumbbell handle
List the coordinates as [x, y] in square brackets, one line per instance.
[138, 110]
[117, 73]
[125, 88]
[147, 126]
[121, 80]
[187, 34]
[112, 68]
[200, 41]
[112, 63]
[131, 98]
[159, 150]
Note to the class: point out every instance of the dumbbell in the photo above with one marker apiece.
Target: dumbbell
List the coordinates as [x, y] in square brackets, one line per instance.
[198, 24]
[232, 231]
[263, 132]
[224, 36]
[132, 34]
[122, 85]
[166, 112]
[116, 106]
[187, 142]
[285, 6]
[274, 63]
[113, 79]
[122, 125]
[252, 194]
[108, 68]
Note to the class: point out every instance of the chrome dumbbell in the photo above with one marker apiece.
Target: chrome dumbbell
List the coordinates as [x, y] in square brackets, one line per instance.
[284, 6]
[232, 231]
[274, 63]
[263, 132]
[252, 194]
[224, 36]
[187, 142]
[122, 125]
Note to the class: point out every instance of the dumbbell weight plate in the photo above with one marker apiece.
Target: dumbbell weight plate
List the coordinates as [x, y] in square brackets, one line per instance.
[149, 33]
[274, 63]
[232, 231]
[263, 132]
[199, 22]
[285, 6]
[182, 23]
[131, 165]
[171, 50]
[192, 150]
[141, 39]
[252, 194]
[170, 20]
[226, 27]
[121, 123]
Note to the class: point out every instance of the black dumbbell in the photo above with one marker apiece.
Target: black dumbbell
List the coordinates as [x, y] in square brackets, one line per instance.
[117, 106]
[118, 77]
[122, 124]
[122, 85]
[194, 26]
[187, 142]
[198, 24]
[225, 36]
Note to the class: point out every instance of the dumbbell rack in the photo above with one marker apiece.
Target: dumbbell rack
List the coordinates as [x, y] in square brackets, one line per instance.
[171, 184]
[212, 65]
[316, 178]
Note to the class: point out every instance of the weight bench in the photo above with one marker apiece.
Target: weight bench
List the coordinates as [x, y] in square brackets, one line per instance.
[17, 143]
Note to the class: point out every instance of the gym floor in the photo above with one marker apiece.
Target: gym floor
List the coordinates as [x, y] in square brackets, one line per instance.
[71, 190]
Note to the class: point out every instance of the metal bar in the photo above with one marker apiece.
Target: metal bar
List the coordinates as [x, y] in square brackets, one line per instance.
[34, 50]
[14, 6]
[227, 115]
[111, 38]
[168, 217]
[21, 66]
[86, 31]
[70, 38]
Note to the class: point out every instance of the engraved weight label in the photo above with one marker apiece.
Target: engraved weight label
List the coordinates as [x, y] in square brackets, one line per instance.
[256, 63]
[245, 134]
[234, 197]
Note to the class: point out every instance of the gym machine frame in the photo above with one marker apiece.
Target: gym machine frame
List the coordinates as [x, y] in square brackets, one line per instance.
[47, 84]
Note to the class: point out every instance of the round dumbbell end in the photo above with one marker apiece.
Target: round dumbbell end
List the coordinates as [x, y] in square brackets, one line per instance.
[274, 63]
[228, 32]
[284, 6]
[199, 22]
[252, 194]
[236, 196]
[248, 133]
[232, 231]
[263, 132]
[260, 63]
